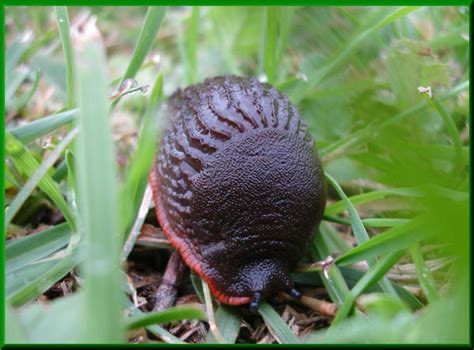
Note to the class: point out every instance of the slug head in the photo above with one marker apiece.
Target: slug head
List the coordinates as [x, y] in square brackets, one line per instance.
[262, 195]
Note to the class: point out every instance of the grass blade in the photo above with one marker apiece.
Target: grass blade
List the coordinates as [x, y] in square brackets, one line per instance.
[171, 314]
[396, 238]
[14, 330]
[331, 277]
[369, 222]
[163, 334]
[350, 47]
[13, 82]
[19, 102]
[61, 313]
[37, 176]
[136, 174]
[62, 20]
[352, 276]
[424, 274]
[280, 328]
[97, 184]
[371, 277]
[190, 46]
[197, 284]
[270, 37]
[358, 228]
[371, 130]
[43, 282]
[228, 322]
[332, 239]
[14, 52]
[359, 231]
[151, 25]
[135, 231]
[452, 131]
[21, 278]
[27, 164]
[339, 206]
[153, 328]
[35, 129]
[210, 313]
[24, 251]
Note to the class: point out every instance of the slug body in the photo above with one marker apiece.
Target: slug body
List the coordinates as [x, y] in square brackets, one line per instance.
[238, 186]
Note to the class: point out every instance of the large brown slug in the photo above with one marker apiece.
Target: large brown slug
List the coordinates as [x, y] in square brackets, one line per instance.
[238, 186]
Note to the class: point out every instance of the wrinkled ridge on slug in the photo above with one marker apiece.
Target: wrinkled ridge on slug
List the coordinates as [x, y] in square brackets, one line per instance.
[238, 185]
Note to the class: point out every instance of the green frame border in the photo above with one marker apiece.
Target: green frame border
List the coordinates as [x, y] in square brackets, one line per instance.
[2, 177]
[5, 3]
[239, 3]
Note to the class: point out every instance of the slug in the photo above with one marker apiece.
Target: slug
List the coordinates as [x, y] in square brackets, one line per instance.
[238, 186]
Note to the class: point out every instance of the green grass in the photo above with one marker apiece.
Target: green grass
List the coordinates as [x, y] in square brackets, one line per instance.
[98, 208]
[63, 28]
[396, 163]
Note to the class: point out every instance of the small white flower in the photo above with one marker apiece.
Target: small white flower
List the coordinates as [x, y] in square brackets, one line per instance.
[425, 90]
[302, 76]
[263, 78]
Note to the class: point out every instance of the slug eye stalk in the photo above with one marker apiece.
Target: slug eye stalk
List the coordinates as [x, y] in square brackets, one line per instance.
[256, 299]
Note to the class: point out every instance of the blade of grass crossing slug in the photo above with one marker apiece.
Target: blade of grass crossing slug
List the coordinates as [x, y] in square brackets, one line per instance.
[175, 313]
[359, 232]
[37, 176]
[136, 174]
[135, 231]
[210, 313]
[279, 327]
[425, 277]
[62, 20]
[26, 164]
[228, 322]
[35, 129]
[97, 183]
[375, 273]
[197, 284]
